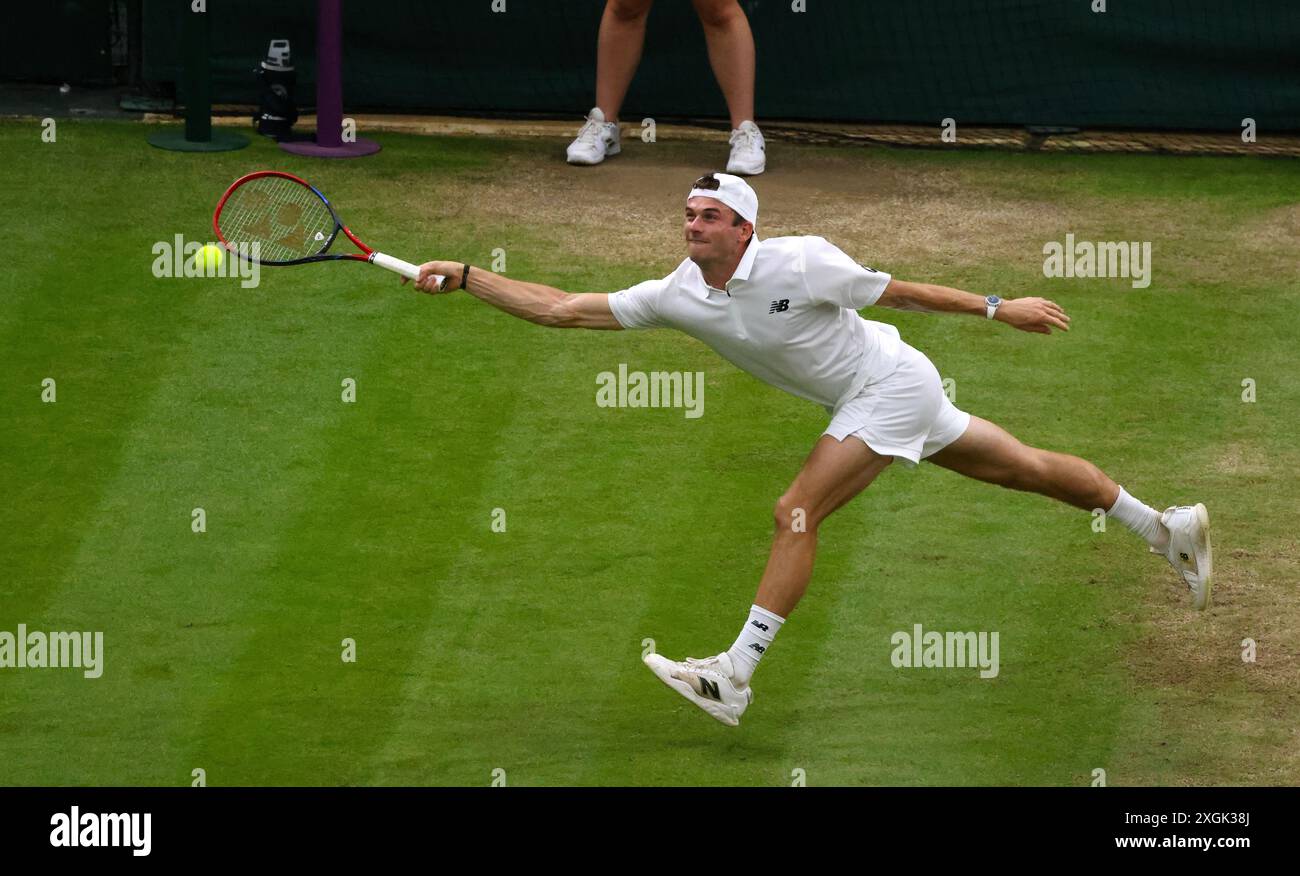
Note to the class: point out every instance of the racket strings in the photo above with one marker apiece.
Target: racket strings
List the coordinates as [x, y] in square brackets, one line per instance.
[285, 219]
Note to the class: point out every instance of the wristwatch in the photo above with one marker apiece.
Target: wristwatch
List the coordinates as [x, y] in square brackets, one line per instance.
[991, 305]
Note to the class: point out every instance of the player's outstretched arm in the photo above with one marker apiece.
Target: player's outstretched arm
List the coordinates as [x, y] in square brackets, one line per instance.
[1026, 314]
[537, 303]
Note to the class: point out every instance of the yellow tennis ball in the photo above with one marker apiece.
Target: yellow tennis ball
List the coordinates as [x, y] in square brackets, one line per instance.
[209, 257]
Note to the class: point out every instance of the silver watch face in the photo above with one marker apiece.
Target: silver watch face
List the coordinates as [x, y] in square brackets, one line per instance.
[993, 300]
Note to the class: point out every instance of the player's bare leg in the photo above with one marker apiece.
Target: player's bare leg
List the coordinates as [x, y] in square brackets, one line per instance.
[618, 52]
[834, 473]
[989, 453]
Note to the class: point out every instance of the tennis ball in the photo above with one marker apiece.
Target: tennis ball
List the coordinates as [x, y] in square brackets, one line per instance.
[209, 257]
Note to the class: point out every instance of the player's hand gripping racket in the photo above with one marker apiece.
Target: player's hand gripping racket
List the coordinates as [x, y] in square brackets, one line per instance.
[291, 223]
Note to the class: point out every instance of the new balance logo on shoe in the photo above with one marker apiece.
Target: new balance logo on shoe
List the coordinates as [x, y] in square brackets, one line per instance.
[1186, 559]
[779, 306]
[710, 689]
[761, 626]
[757, 647]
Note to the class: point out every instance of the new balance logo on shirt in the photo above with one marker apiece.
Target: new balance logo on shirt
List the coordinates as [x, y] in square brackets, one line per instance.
[780, 306]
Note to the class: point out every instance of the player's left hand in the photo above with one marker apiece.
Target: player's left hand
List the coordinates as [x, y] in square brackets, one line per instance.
[1033, 315]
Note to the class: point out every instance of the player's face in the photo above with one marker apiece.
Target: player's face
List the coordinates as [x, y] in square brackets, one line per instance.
[710, 236]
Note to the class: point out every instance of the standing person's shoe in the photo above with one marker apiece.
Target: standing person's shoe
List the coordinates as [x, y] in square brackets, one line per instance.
[597, 139]
[748, 153]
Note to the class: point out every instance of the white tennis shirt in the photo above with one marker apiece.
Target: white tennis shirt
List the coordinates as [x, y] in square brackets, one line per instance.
[788, 317]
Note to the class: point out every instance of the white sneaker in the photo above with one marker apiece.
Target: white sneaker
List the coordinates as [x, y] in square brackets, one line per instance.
[596, 140]
[1189, 549]
[748, 153]
[706, 683]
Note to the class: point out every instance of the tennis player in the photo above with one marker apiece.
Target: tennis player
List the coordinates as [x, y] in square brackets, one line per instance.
[785, 310]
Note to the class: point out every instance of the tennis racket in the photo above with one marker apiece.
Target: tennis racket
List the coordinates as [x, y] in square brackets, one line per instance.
[291, 223]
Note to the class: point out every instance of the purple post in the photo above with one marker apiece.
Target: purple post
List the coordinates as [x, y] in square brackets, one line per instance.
[329, 91]
[329, 73]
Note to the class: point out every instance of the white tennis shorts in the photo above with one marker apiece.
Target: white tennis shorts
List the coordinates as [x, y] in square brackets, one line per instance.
[905, 415]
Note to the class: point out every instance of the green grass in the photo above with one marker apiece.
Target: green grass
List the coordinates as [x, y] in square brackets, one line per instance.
[520, 650]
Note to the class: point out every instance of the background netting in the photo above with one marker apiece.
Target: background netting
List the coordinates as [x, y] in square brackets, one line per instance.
[1144, 65]
[1171, 64]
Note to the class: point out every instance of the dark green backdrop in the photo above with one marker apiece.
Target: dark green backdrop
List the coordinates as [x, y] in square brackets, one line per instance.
[1190, 64]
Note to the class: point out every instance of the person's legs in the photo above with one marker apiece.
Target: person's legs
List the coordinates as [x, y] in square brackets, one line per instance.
[834, 473]
[989, 453]
[731, 54]
[618, 52]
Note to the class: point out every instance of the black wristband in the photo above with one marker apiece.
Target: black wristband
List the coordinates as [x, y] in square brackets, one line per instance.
[464, 277]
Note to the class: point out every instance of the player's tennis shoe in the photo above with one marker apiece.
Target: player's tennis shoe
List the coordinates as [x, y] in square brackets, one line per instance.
[748, 152]
[706, 683]
[1189, 549]
[596, 140]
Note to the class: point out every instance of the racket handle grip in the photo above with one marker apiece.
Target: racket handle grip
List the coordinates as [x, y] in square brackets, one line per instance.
[406, 269]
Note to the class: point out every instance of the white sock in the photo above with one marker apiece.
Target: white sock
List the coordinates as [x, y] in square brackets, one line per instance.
[752, 643]
[1142, 519]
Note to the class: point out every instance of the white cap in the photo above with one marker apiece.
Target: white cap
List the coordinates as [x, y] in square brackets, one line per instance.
[277, 56]
[732, 191]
